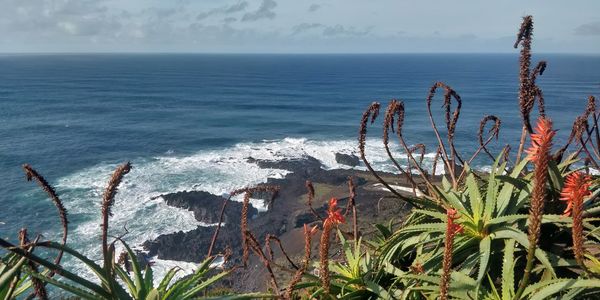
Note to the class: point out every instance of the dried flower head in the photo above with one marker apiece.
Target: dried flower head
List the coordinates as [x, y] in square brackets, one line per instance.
[32, 174]
[371, 112]
[591, 106]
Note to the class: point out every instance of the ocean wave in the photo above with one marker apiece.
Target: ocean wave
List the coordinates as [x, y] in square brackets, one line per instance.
[140, 209]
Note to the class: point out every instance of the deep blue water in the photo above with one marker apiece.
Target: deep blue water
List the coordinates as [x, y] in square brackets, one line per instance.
[185, 121]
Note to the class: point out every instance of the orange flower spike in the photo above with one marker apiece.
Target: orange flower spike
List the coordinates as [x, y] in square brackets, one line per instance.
[576, 188]
[334, 214]
[542, 135]
[453, 228]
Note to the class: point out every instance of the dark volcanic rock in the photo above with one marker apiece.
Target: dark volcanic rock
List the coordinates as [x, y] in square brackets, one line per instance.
[347, 159]
[305, 166]
[283, 218]
[206, 206]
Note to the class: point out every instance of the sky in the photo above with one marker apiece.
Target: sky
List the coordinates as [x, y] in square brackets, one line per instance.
[295, 26]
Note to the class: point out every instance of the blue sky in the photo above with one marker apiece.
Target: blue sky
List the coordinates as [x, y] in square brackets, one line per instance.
[293, 26]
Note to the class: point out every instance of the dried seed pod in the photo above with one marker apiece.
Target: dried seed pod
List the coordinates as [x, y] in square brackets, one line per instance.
[32, 174]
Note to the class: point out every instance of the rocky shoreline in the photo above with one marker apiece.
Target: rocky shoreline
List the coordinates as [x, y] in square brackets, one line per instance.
[285, 218]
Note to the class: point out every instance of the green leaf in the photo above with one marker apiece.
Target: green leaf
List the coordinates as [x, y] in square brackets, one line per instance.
[137, 273]
[507, 189]
[377, 290]
[244, 297]
[508, 275]
[7, 277]
[474, 198]
[148, 278]
[485, 249]
[521, 238]
[67, 287]
[555, 175]
[193, 291]
[154, 294]
[492, 189]
[64, 273]
[563, 285]
[127, 280]
[183, 284]
[164, 283]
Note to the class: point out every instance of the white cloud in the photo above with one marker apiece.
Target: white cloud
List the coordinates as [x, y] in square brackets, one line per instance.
[269, 26]
[265, 11]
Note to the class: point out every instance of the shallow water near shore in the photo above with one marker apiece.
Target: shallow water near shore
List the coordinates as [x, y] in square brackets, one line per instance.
[190, 122]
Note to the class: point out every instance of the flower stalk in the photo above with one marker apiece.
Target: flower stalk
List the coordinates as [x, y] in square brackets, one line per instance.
[452, 229]
[334, 217]
[539, 154]
[575, 190]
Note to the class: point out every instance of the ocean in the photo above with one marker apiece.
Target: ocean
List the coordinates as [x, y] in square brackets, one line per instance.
[190, 121]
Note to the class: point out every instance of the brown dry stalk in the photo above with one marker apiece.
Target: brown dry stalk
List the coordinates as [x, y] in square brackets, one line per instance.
[393, 110]
[414, 148]
[253, 244]
[539, 154]
[506, 152]
[526, 96]
[39, 288]
[220, 223]
[324, 256]
[493, 133]
[591, 110]
[311, 197]
[451, 120]
[268, 239]
[308, 233]
[352, 205]
[528, 91]
[577, 130]
[32, 174]
[438, 152]
[108, 200]
[372, 112]
[244, 228]
[397, 108]
[248, 192]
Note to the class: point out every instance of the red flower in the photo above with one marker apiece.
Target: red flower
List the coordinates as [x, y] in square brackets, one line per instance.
[577, 186]
[334, 214]
[542, 135]
[452, 227]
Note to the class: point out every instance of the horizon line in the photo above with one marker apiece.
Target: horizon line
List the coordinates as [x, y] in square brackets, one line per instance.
[277, 53]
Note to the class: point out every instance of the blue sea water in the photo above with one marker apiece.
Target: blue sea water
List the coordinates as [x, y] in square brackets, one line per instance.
[187, 122]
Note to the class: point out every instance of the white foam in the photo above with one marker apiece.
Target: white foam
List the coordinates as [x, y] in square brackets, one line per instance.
[399, 188]
[139, 208]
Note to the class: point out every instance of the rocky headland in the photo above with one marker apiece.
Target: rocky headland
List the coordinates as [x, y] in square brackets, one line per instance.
[285, 218]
